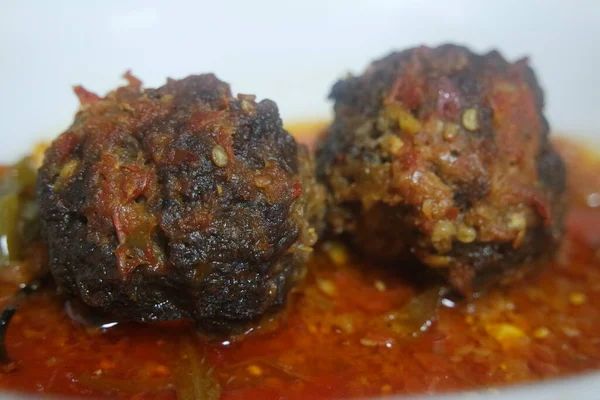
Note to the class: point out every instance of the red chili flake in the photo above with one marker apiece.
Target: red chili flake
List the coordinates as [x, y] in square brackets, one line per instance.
[406, 92]
[452, 213]
[85, 97]
[296, 189]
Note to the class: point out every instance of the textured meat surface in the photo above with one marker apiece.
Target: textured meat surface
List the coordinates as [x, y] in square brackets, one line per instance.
[181, 202]
[444, 154]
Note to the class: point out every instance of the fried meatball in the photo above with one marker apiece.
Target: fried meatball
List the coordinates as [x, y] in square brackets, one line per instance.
[444, 154]
[181, 202]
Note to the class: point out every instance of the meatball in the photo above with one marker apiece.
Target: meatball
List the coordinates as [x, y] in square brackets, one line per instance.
[180, 202]
[443, 154]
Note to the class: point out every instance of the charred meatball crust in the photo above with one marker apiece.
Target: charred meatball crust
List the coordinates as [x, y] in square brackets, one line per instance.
[181, 202]
[444, 154]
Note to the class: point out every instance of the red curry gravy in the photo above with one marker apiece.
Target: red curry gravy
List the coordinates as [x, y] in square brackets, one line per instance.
[344, 334]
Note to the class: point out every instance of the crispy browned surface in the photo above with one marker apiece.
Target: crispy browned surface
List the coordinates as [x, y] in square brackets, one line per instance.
[444, 154]
[181, 202]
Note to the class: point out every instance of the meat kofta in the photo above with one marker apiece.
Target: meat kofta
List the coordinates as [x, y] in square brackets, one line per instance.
[444, 154]
[180, 202]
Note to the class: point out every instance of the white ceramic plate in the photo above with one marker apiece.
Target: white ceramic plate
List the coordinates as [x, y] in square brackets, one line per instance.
[290, 52]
